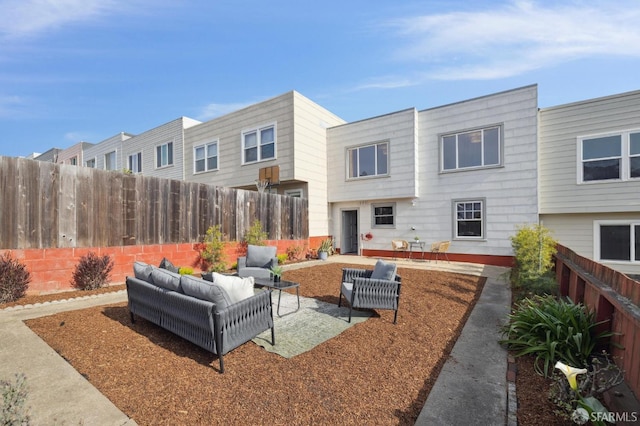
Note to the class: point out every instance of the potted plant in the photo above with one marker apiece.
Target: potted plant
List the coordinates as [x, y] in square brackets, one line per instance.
[276, 271]
[326, 247]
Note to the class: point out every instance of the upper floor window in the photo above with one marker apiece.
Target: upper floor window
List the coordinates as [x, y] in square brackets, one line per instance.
[73, 161]
[472, 149]
[384, 215]
[368, 160]
[469, 219]
[617, 241]
[259, 144]
[135, 163]
[205, 157]
[91, 163]
[110, 161]
[164, 154]
[609, 157]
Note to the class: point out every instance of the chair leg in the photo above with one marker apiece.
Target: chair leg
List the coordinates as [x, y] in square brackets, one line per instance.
[340, 300]
[395, 317]
[350, 313]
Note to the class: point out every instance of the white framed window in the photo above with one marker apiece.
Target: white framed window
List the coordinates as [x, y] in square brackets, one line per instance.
[73, 160]
[205, 157]
[259, 144]
[91, 163]
[383, 215]
[368, 160]
[471, 149]
[164, 155]
[469, 219]
[135, 162]
[610, 157]
[110, 161]
[616, 240]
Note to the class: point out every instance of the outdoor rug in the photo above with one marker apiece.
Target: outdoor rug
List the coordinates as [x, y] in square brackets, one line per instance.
[315, 323]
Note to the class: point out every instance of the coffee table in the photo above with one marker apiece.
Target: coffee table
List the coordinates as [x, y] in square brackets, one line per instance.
[280, 285]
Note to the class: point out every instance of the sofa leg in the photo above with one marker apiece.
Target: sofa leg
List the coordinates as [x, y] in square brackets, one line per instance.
[131, 315]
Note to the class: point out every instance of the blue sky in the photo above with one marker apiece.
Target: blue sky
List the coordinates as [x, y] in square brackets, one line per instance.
[85, 70]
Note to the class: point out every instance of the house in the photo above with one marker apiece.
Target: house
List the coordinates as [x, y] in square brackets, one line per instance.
[589, 178]
[72, 155]
[285, 136]
[465, 172]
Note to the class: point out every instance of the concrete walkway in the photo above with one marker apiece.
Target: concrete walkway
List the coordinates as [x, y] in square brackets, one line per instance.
[471, 389]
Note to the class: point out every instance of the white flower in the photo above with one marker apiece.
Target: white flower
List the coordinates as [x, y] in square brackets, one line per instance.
[571, 373]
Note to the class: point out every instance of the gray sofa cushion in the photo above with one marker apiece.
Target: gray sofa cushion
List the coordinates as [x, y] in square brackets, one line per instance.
[384, 271]
[142, 271]
[260, 256]
[205, 290]
[166, 279]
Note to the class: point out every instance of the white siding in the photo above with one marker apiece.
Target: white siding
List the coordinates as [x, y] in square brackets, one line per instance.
[399, 129]
[560, 128]
[576, 231]
[99, 150]
[510, 191]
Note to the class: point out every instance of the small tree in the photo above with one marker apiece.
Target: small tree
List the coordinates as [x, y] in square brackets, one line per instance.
[14, 279]
[212, 250]
[92, 272]
[256, 236]
[534, 249]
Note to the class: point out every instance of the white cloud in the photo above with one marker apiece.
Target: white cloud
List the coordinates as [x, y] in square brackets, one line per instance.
[516, 37]
[30, 18]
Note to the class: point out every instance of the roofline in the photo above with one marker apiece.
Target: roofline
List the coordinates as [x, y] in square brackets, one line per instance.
[535, 85]
[592, 100]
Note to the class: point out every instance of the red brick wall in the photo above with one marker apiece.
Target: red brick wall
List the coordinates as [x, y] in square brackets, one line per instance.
[52, 269]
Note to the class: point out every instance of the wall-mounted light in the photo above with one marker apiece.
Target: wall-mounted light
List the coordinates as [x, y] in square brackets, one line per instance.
[413, 202]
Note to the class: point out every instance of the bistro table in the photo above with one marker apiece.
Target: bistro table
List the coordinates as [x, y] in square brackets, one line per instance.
[280, 285]
[417, 244]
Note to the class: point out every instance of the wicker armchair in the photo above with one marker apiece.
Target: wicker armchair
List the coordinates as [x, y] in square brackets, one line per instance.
[362, 289]
[438, 248]
[399, 245]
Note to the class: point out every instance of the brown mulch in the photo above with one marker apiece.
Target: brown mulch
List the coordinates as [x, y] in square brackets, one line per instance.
[375, 373]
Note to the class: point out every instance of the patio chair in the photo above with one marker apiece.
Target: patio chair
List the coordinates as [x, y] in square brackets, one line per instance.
[371, 289]
[399, 245]
[258, 262]
[438, 248]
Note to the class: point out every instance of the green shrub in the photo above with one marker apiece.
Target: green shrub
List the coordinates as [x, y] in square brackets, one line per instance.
[212, 250]
[533, 249]
[92, 272]
[282, 258]
[14, 279]
[552, 330]
[14, 396]
[256, 236]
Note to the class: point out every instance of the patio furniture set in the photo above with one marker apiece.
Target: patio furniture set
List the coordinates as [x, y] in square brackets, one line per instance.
[409, 247]
[220, 312]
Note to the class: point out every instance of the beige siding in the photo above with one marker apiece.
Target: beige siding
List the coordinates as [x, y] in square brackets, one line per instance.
[99, 150]
[560, 128]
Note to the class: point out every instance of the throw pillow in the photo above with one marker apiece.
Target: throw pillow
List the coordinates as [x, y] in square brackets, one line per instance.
[166, 264]
[384, 271]
[205, 290]
[142, 271]
[237, 288]
[260, 256]
[166, 279]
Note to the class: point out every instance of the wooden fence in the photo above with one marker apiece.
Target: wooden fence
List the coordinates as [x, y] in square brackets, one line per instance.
[614, 297]
[46, 205]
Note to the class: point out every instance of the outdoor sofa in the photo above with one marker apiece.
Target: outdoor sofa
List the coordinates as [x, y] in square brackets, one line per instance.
[218, 314]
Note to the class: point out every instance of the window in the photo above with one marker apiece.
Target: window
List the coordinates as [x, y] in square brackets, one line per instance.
[205, 157]
[110, 161]
[135, 163]
[469, 219]
[73, 161]
[91, 163]
[384, 215]
[473, 149]
[297, 193]
[368, 160]
[259, 144]
[617, 241]
[612, 157]
[164, 155]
